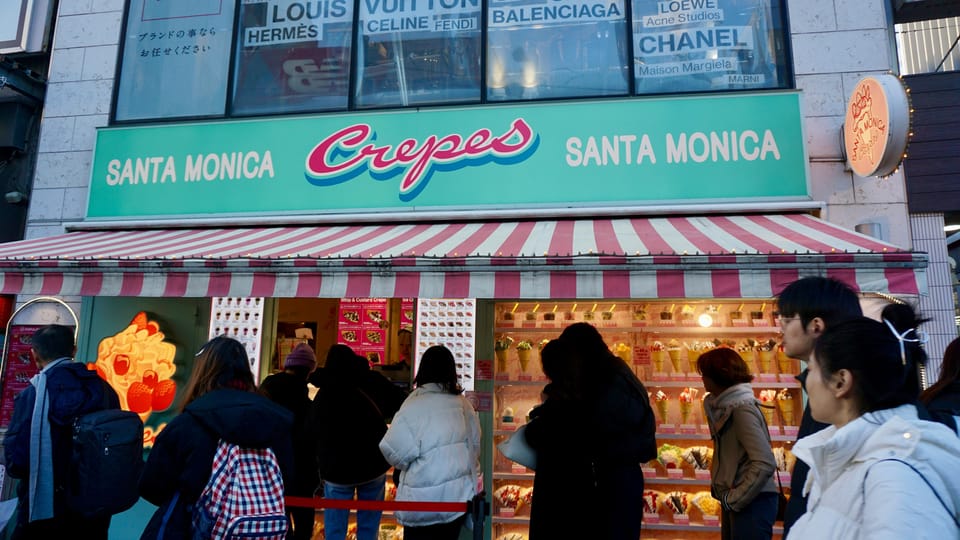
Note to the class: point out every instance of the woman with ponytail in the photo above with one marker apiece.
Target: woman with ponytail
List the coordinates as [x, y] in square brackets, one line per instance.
[878, 471]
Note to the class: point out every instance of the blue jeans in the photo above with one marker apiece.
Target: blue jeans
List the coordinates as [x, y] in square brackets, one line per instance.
[368, 521]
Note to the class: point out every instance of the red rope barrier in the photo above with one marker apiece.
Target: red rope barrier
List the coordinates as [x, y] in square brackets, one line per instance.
[318, 502]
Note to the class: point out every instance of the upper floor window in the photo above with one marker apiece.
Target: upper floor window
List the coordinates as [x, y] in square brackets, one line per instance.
[292, 56]
[213, 58]
[556, 49]
[418, 51]
[707, 45]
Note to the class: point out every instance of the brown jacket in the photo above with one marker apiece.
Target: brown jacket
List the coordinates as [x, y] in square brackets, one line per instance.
[743, 462]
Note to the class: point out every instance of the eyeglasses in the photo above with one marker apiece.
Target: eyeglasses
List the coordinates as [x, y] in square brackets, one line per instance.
[786, 320]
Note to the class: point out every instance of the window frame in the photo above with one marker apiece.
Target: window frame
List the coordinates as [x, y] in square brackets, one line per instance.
[779, 15]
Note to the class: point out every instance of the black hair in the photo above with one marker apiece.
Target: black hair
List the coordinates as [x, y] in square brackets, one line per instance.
[343, 364]
[593, 361]
[438, 366]
[906, 321]
[949, 372]
[724, 366]
[815, 296]
[221, 363]
[870, 351]
[560, 368]
[52, 342]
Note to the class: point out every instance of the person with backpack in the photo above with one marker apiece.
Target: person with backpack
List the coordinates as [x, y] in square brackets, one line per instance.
[225, 459]
[38, 444]
[878, 471]
[289, 389]
[347, 424]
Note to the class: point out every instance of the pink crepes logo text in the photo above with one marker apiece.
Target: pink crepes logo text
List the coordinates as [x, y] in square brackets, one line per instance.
[347, 153]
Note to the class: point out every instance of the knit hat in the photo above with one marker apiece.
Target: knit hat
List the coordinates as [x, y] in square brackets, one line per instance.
[301, 356]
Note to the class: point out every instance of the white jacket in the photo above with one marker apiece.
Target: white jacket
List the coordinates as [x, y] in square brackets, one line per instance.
[892, 501]
[435, 442]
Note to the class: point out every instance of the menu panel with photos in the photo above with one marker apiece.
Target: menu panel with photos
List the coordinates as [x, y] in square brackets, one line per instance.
[18, 369]
[362, 325]
[450, 322]
[240, 318]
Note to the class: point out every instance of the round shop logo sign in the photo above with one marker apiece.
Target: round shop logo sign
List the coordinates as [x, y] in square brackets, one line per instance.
[353, 150]
[877, 126]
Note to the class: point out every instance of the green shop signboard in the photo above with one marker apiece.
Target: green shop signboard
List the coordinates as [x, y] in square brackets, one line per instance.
[624, 152]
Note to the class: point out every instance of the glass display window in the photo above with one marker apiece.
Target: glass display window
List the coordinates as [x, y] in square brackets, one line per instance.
[547, 49]
[292, 56]
[175, 60]
[416, 52]
[707, 45]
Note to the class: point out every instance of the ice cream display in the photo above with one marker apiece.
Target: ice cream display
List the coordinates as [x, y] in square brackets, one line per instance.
[784, 458]
[687, 397]
[785, 404]
[687, 315]
[768, 399]
[677, 502]
[705, 502]
[512, 536]
[523, 354]
[526, 497]
[651, 500]
[658, 354]
[746, 351]
[766, 350]
[500, 348]
[700, 457]
[623, 351]
[673, 349]
[507, 496]
[508, 415]
[662, 401]
[694, 350]
[670, 456]
[784, 362]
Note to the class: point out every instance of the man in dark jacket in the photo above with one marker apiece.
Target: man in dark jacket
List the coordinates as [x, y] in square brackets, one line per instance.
[807, 306]
[38, 444]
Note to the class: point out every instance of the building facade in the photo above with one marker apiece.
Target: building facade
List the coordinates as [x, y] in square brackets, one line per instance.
[551, 159]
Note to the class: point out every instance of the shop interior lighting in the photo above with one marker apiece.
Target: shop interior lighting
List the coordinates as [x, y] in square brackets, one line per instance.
[705, 320]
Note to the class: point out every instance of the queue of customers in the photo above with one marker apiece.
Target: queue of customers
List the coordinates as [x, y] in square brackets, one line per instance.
[876, 458]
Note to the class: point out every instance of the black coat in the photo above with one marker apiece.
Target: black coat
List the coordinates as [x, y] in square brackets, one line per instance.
[625, 427]
[73, 391]
[182, 456]
[347, 425]
[564, 490]
[290, 391]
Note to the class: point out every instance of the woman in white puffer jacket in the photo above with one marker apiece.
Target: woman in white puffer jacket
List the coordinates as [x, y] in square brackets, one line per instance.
[878, 472]
[434, 441]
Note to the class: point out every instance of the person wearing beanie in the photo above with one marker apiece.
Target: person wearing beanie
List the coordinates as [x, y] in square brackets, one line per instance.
[289, 389]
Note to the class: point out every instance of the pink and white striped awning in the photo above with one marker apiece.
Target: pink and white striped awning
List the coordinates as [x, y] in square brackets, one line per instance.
[644, 257]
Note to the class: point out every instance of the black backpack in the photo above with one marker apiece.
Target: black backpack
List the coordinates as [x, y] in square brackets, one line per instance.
[107, 460]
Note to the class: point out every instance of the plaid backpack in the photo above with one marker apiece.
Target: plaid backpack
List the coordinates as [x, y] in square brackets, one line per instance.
[244, 497]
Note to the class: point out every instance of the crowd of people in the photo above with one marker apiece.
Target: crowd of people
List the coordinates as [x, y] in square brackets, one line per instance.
[877, 454]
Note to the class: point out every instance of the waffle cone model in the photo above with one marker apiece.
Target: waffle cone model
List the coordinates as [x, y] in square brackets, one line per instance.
[524, 356]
